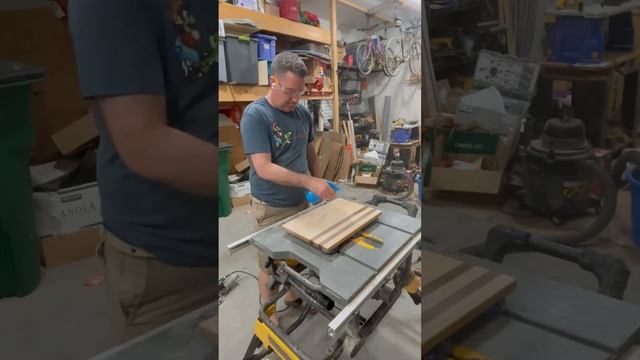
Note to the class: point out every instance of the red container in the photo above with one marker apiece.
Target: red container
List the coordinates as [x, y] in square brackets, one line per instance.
[290, 9]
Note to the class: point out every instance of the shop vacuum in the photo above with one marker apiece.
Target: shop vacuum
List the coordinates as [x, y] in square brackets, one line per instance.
[563, 180]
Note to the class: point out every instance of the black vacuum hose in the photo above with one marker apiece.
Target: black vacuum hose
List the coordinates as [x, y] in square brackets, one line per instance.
[607, 212]
[632, 156]
[410, 187]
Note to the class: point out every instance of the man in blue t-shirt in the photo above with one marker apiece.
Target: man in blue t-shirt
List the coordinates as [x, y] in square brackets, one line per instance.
[146, 68]
[277, 135]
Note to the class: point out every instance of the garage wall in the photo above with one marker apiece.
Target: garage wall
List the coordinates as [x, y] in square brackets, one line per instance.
[405, 95]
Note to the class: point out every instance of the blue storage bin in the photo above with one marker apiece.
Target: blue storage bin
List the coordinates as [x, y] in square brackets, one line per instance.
[266, 46]
[400, 135]
[575, 39]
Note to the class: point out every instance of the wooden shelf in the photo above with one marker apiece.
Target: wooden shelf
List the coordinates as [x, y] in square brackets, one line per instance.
[248, 93]
[275, 24]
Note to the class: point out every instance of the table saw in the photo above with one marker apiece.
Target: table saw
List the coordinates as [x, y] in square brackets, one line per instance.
[542, 318]
[346, 280]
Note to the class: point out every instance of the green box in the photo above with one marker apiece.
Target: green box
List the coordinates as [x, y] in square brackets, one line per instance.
[465, 142]
[368, 168]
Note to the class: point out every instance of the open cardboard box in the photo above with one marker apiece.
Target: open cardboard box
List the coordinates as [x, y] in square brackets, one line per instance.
[492, 151]
[367, 178]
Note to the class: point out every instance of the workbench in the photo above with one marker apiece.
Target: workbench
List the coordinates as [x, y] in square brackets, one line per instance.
[591, 93]
[178, 339]
[541, 318]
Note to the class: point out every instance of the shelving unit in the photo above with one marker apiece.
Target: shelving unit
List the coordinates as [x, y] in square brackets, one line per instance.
[467, 15]
[229, 93]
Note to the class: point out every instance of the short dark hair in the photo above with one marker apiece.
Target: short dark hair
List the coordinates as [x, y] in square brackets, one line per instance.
[288, 61]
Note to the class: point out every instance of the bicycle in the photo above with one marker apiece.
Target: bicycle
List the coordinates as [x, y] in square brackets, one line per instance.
[370, 53]
[404, 48]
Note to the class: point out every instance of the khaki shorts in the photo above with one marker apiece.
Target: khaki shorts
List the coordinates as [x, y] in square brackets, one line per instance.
[265, 215]
[144, 293]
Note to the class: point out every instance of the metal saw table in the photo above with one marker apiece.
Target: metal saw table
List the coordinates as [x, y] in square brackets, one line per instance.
[347, 278]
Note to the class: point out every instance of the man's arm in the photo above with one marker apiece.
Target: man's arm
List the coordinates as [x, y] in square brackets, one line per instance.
[267, 170]
[312, 160]
[152, 149]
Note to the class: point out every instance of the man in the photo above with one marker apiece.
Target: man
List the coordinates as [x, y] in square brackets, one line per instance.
[146, 69]
[278, 135]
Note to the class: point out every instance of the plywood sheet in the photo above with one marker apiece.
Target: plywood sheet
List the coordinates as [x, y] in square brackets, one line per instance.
[334, 160]
[454, 294]
[326, 154]
[330, 225]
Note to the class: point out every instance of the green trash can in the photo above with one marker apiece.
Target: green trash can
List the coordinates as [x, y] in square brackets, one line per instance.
[19, 243]
[224, 195]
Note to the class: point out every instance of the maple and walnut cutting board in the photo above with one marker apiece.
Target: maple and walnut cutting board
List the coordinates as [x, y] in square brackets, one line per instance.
[328, 226]
[454, 293]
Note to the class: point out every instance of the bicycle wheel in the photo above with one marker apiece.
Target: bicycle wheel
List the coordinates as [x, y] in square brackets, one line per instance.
[364, 59]
[415, 63]
[393, 55]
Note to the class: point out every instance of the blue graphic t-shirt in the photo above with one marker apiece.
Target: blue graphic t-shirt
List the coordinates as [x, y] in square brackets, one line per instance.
[152, 47]
[285, 136]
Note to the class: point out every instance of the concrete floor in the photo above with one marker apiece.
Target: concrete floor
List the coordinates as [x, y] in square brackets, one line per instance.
[61, 320]
[397, 337]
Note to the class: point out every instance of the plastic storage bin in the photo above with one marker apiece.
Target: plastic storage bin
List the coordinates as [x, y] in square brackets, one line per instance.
[247, 4]
[224, 194]
[290, 9]
[404, 135]
[400, 135]
[222, 62]
[241, 59]
[266, 46]
[19, 244]
[575, 39]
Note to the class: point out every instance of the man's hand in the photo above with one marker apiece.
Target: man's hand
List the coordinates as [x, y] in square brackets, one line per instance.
[282, 176]
[321, 188]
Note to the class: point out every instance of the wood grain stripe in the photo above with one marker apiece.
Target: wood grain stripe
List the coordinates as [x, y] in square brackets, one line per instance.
[322, 233]
[453, 298]
[458, 314]
[444, 279]
[330, 233]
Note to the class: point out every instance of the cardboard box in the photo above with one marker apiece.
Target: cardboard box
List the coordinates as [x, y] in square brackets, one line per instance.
[263, 72]
[342, 52]
[490, 151]
[58, 250]
[271, 9]
[242, 166]
[67, 210]
[367, 178]
[230, 134]
[240, 201]
[240, 189]
[75, 135]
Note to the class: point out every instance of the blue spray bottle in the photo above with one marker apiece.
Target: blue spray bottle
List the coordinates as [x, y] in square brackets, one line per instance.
[313, 199]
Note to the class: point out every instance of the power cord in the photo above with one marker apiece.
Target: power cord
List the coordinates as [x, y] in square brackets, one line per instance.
[224, 288]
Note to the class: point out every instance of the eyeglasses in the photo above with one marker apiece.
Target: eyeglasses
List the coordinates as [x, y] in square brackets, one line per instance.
[290, 93]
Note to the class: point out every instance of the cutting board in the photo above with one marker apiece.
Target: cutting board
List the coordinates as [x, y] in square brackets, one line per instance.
[454, 294]
[329, 225]
[209, 329]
